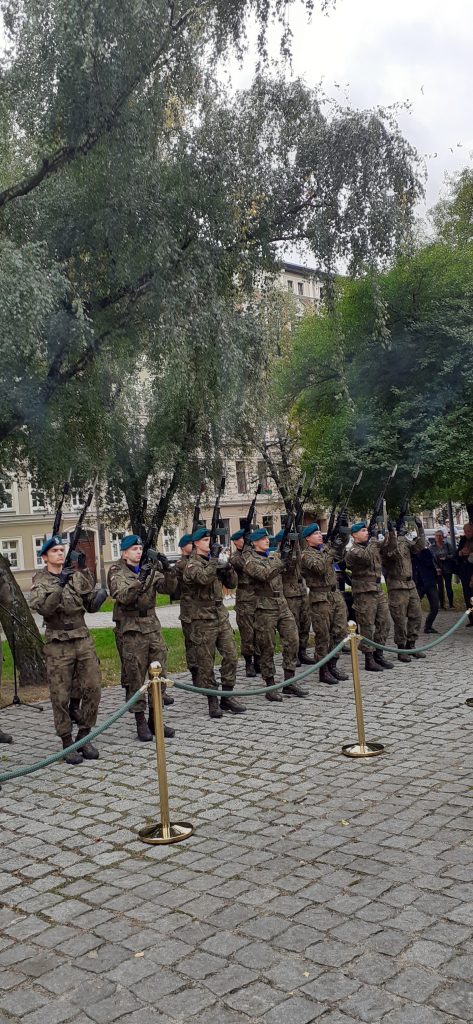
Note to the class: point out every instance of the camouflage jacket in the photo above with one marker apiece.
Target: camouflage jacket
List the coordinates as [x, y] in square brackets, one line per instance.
[318, 570]
[183, 591]
[397, 561]
[364, 562]
[292, 579]
[206, 588]
[266, 573]
[62, 608]
[135, 603]
[245, 594]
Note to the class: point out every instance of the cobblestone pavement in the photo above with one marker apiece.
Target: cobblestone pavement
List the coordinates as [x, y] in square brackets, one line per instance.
[315, 888]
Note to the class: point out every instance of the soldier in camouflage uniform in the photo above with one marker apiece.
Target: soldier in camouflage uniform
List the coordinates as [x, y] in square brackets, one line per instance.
[5, 599]
[295, 592]
[137, 628]
[184, 594]
[245, 605]
[369, 600]
[327, 607]
[265, 569]
[210, 628]
[403, 599]
[60, 594]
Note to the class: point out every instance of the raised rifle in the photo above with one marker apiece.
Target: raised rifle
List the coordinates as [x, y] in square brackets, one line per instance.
[379, 503]
[58, 516]
[251, 513]
[300, 501]
[196, 516]
[149, 540]
[404, 510]
[217, 529]
[78, 527]
[331, 522]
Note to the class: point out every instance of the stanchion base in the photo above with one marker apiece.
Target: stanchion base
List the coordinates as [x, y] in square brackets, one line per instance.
[469, 701]
[154, 834]
[368, 750]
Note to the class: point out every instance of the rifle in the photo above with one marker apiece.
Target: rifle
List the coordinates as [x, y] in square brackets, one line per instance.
[293, 508]
[346, 503]
[58, 516]
[404, 510]
[196, 517]
[378, 505]
[251, 513]
[78, 527]
[331, 522]
[149, 539]
[217, 529]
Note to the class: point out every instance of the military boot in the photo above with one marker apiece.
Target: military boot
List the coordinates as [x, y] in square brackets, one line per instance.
[231, 703]
[195, 676]
[304, 658]
[5, 737]
[336, 672]
[88, 751]
[372, 663]
[403, 656]
[411, 646]
[325, 676]
[249, 669]
[167, 699]
[75, 756]
[293, 689]
[142, 729]
[74, 705]
[257, 664]
[381, 660]
[274, 695]
[169, 732]
[215, 710]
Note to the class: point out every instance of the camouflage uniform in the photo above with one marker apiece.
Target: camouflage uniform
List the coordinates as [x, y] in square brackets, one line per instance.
[137, 628]
[184, 593]
[295, 592]
[369, 600]
[69, 647]
[327, 607]
[245, 606]
[403, 599]
[210, 628]
[272, 612]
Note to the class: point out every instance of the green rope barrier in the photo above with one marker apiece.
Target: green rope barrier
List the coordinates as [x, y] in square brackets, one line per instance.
[426, 647]
[46, 761]
[190, 688]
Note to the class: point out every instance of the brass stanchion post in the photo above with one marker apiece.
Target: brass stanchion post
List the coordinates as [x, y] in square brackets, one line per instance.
[362, 748]
[163, 831]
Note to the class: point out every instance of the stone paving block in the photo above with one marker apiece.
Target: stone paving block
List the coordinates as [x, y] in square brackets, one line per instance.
[231, 978]
[255, 1000]
[201, 965]
[297, 1010]
[427, 953]
[297, 938]
[330, 987]
[22, 1000]
[257, 955]
[53, 1013]
[456, 999]
[264, 927]
[188, 1003]
[415, 984]
[331, 953]
[115, 1006]
[43, 963]
[416, 1015]
[103, 959]
[369, 1004]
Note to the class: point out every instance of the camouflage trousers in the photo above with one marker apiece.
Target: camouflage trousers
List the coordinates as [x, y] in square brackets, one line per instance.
[406, 614]
[137, 650]
[372, 616]
[329, 622]
[72, 665]
[245, 616]
[300, 608]
[267, 624]
[190, 652]
[207, 638]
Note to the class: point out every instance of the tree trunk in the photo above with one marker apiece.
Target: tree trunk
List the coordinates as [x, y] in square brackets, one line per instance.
[23, 636]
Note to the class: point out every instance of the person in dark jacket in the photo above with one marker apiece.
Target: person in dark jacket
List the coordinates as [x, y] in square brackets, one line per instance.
[465, 566]
[445, 559]
[426, 580]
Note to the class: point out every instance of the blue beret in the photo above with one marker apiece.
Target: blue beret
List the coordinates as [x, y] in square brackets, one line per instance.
[52, 542]
[129, 541]
[259, 534]
[238, 535]
[278, 536]
[185, 539]
[201, 533]
[358, 526]
[310, 529]
[272, 544]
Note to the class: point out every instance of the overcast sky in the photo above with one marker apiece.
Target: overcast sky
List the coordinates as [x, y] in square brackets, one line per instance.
[381, 52]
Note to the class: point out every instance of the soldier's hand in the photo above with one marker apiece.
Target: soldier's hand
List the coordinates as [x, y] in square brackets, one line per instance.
[391, 525]
[145, 571]
[215, 550]
[65, 575]
[286, 551]
[418, 522]
[164, 561]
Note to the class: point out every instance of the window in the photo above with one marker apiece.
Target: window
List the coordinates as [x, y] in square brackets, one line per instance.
[115, 539]
[169, 539]
[39, 502]
[242, 486]
[268, 523]
[290, 286]
[11, 549]
[6, 496]
[300, 287]
[77, 500]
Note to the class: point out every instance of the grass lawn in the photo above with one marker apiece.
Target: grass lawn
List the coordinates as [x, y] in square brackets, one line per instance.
[160, 600]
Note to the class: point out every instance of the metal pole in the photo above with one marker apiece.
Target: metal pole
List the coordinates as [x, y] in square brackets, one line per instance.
[162, 832]
[362, 748]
